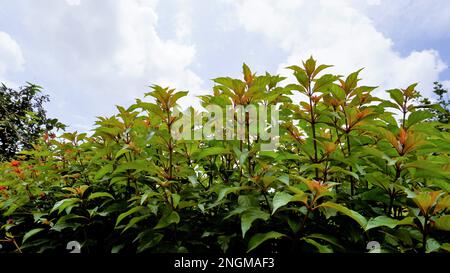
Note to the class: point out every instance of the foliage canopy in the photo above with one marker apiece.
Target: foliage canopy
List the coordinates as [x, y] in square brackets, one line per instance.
[23, 119]
[346, 172]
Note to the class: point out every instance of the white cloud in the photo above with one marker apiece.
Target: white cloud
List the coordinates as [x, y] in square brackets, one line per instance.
[95, 56]
[374, 2]
[142, 53]
[335, 32]
[410, 19]
[11, 57]
[183, 20]
[446, 85]
[73, 2]
[103, 53]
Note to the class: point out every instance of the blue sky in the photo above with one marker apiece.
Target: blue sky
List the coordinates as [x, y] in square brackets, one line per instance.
[90, 55]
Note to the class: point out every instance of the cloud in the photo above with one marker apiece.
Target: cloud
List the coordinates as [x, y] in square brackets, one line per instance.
[11, 57]
[73, 2]
[337, 33]
[446, 85]
[142, 53]
[183, 19]
[103, 53]
[409, 19]
[95, 56]
[374, 2]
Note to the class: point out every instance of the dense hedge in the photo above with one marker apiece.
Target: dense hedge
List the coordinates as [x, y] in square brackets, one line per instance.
[345, 173]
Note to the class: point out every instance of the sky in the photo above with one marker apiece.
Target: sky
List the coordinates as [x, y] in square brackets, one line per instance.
[91, 55]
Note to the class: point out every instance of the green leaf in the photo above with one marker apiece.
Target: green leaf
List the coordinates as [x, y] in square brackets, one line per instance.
[387, 222]
[327, 238]
[224, 242]
[324, 82]
[249, 216]
[31, 233]
[281, 199]
[310, 65]
[352, 80]
[100, 194]
[247, 72]
[138, 165]
[167, 219]
[337, 92]
[348, 212]
[418, 116]
[122, 152]
[443, 223]
[397, 96]
[260, 238]
[319, 69]
[225, 81]
[63, 223]
[223, 192]
[442, 184]
[117, 248]
[103, 171]
[125, 214]
[154, 240]
[388, 104]
[428, 169]
[175, 199]
[379, 154]
[177, 96]
[65, 203]
[212, 151]
[321, 248]
[446, 247]
[302, 78]
[134, 221]
[432, 245]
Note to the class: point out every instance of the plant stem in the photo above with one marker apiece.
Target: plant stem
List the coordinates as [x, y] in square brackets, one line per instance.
[247, 129]
[424, 234]
[313, 127]
[404, 110]
[17, 246]
[391, 203]
[169, 126]
[267, 201]
[304, 220]
[349, 149]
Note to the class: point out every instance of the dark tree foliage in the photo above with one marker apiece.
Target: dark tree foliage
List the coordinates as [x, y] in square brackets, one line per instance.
[441, 109]
[23, 119]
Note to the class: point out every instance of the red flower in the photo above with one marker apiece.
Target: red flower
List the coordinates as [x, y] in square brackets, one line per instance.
[3, 188]
[52, 135]
[15, 163]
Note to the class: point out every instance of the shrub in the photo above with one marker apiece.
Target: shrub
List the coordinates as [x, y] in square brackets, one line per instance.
[345, 173]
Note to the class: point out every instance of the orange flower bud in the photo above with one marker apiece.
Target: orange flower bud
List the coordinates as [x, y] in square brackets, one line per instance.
[15, 163]
[402, 136]
[334, 102]
[316, 99]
